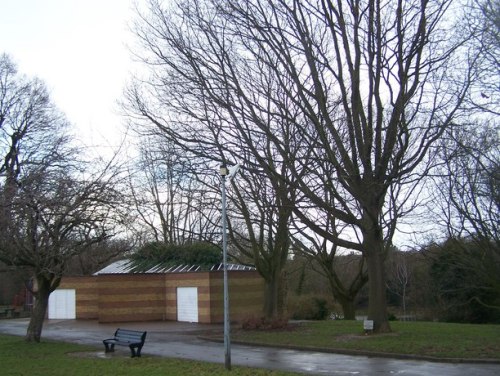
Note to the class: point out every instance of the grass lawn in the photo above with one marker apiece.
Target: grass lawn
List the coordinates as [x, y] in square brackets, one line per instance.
[55, 358]
[420, 338]
[429, 339]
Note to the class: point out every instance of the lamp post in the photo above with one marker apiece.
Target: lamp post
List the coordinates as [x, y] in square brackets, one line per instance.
[227, 346]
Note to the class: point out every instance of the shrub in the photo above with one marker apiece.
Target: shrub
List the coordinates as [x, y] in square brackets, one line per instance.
[261, 323]
[309, 307]
[165, 255]
[322, 311]
[392, 317]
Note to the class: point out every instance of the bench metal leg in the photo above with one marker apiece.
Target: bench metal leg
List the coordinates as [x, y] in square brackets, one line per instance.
[136, 351]
[109, 347]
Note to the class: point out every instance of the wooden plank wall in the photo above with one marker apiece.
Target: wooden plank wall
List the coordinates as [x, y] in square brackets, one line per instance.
[131, 297]
[246, 295]
[153, 297]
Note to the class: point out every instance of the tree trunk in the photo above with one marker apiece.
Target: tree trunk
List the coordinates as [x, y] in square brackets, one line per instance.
[41, 291]
[377, 305]
[34, 332]
[348, 309]
[282, 294]
[271, 299]
[275, 296]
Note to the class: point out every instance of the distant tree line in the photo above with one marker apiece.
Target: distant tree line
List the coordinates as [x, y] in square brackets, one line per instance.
[457, 280]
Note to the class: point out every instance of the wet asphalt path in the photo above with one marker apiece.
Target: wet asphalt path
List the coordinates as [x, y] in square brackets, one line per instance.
[181, 340]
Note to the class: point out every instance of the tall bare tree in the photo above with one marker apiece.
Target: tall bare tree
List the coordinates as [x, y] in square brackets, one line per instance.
[483, 23]
[467, 210]
[468, 188]
[466, 203]
[352, 95]
[52, 206]
[260, 207]
[259, 224]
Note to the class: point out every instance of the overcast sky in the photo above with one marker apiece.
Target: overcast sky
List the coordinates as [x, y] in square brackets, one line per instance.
[79, 49]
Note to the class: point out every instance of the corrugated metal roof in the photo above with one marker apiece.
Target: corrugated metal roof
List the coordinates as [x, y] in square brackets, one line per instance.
[233, 267]
[126, 267]
[118, 267]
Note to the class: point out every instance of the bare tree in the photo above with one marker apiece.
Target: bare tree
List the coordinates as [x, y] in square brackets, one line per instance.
[53, 207]
[346, 274]
[259, 224]
[467, 207]
[26, 118]
[466, 199]
[483, 23]
[468, 183]
[169, 201]
[400, 276]
[99, 255]
[352, 96]
[469, 180]
[260, 207]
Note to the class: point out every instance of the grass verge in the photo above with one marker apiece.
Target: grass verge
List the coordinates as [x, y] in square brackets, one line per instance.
[426, 339]
[55, 358]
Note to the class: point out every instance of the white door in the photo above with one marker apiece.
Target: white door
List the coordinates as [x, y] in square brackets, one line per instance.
[187, 304]
[62, 304]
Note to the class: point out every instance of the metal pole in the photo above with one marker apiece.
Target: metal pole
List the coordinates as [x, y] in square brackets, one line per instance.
[227, 345]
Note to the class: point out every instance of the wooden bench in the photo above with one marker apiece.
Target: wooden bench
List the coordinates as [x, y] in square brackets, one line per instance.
[123, 337]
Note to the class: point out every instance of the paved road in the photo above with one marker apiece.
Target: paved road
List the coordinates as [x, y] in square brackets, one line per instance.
[181, 340]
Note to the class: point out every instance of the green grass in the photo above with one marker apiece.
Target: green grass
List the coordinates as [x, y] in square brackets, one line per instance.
[417, 338]
[54, 358]
[430, 339]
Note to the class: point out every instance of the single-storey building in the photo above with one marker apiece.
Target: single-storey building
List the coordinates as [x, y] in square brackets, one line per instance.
[182, 293]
